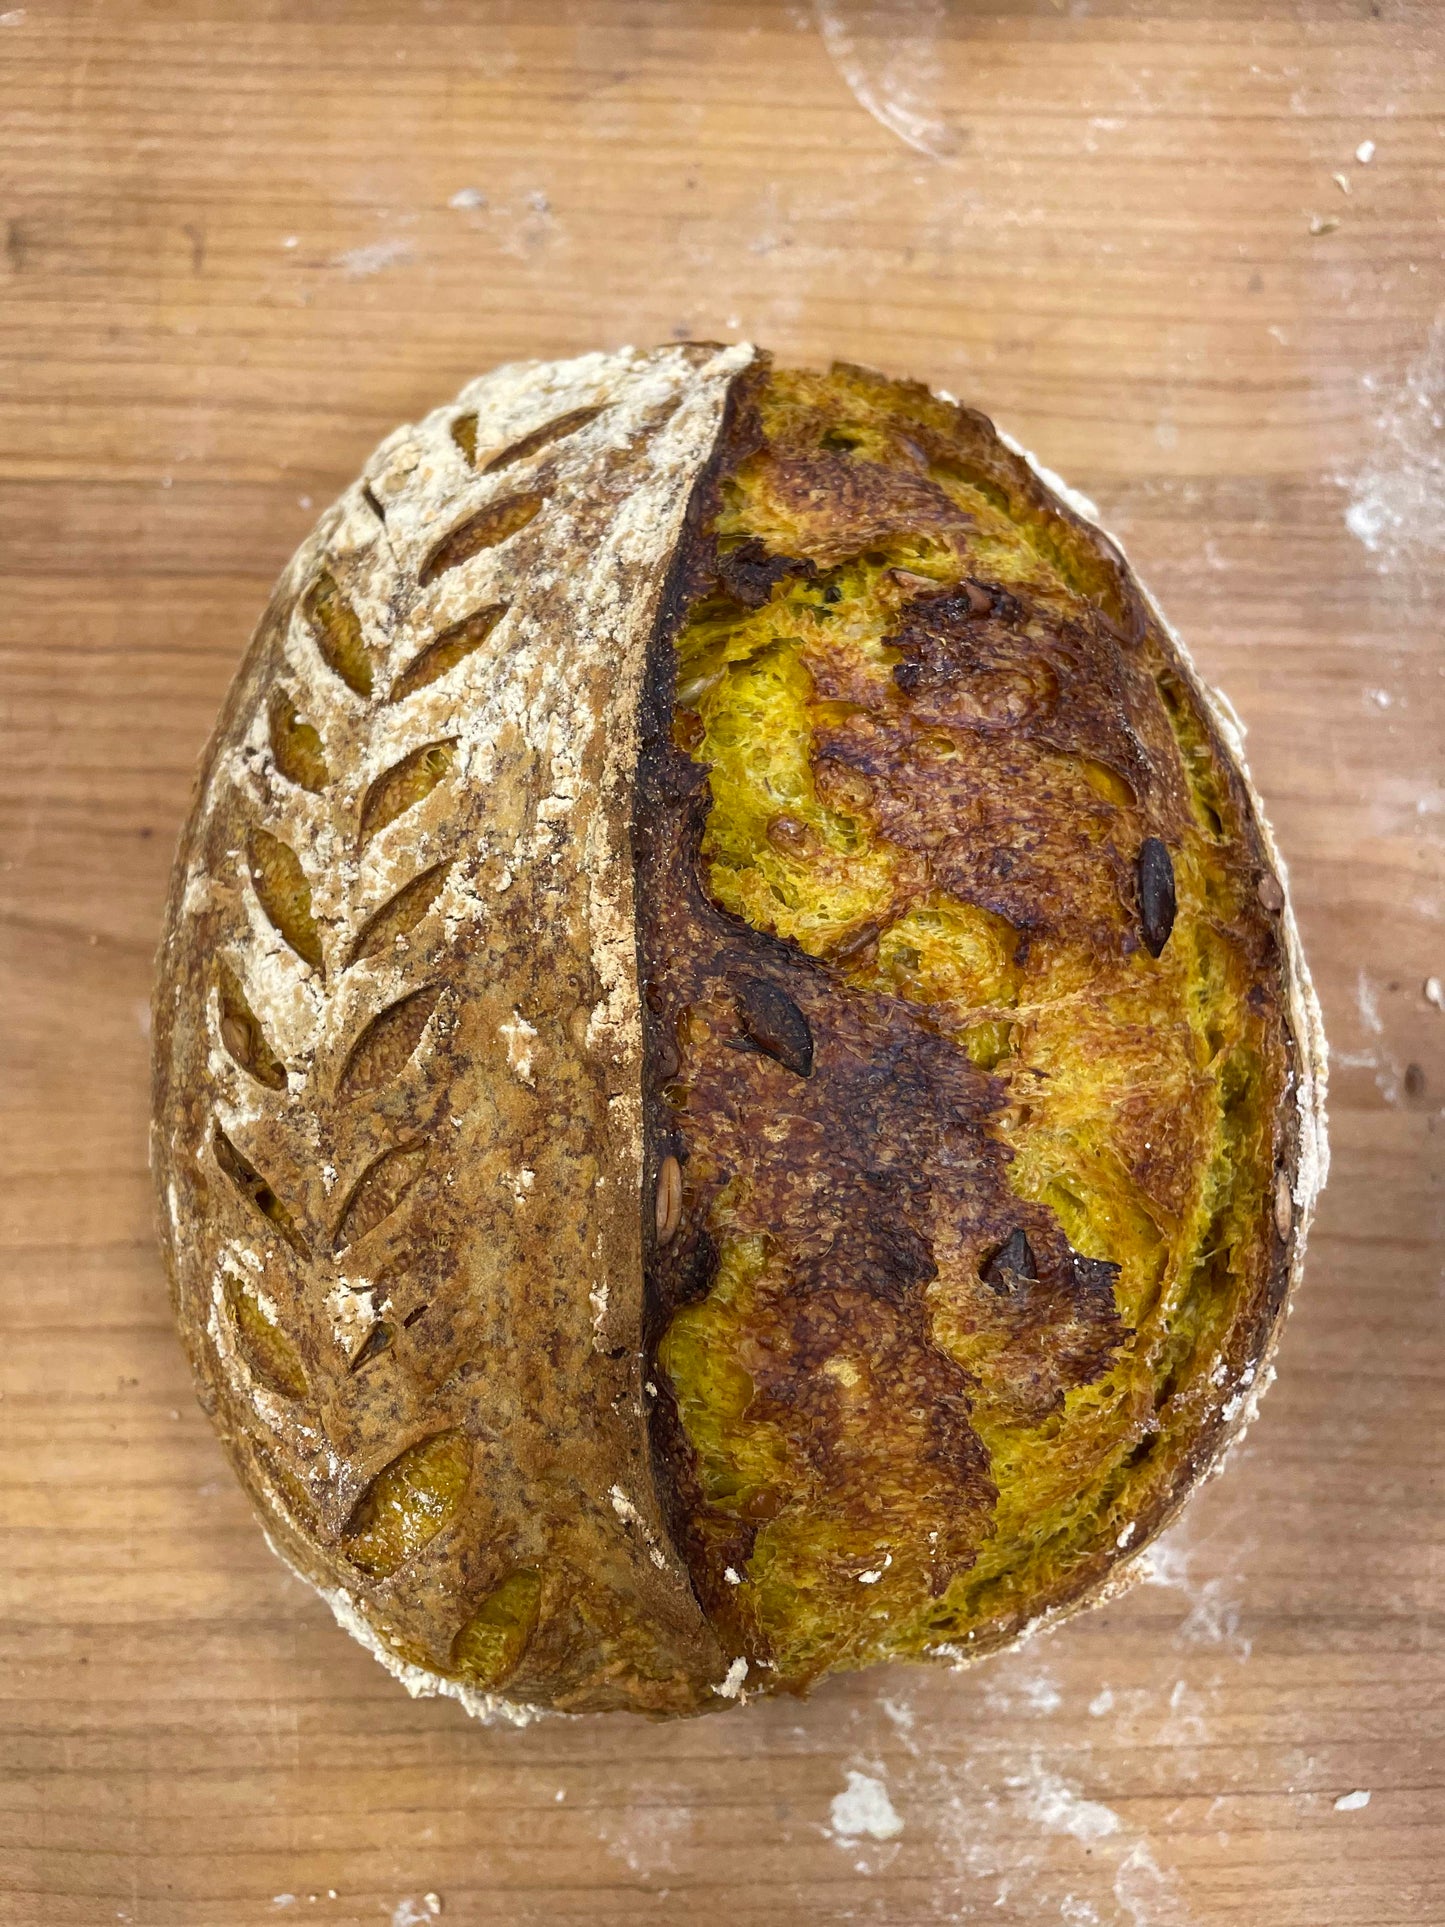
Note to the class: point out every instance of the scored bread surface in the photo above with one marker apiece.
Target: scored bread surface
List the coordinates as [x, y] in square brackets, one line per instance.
[467, 1177]
[407, 1132]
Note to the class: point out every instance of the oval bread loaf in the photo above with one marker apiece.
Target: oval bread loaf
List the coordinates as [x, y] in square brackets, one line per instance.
[736, 1093]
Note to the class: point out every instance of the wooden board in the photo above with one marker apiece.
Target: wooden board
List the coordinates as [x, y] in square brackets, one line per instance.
[242, 240]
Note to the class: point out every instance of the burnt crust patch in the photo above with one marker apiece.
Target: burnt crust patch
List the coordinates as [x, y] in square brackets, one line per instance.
[854, 1177]
[749, 574]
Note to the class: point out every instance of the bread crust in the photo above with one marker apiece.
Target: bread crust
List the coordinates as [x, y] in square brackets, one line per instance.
[507, 1139]
[399, 1072]
[1301, 1126]
[851, 1137]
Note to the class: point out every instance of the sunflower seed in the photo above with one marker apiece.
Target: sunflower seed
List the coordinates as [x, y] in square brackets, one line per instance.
[668, 1060]
[773, 1024]
[1012, 1265]
[1156, 894]
[668, 1206]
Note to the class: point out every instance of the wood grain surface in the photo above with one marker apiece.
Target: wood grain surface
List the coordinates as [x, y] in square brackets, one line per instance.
[1189, 251]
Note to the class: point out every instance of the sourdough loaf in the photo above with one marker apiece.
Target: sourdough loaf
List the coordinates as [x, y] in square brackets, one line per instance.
[736, 1092]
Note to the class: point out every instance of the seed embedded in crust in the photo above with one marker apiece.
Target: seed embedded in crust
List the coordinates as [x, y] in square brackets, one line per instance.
[377, 1340]
[1013, 1266]
[688, 730]
[669, 1059]
[854, 945]
[1156, 894]
[911, 583]
[669, 1199]
[1271, 891]
[792, 838]
[774, 1025]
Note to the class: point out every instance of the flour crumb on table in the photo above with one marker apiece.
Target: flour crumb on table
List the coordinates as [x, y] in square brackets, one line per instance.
[864, 1811]
[410, 1912]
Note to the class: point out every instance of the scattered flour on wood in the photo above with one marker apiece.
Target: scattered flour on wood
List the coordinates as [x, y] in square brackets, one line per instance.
[1078, 1913]
[1055, 1805]
[1013, 1689]
[1376, 1055]
[646, 1838]
[1015, 1828]
[864, 1811]
[372, 258]
[901, 1716]
[1214, 1612]
[1185, 1725]
[1149, 1895]
[410, 1911]
[1397, 497]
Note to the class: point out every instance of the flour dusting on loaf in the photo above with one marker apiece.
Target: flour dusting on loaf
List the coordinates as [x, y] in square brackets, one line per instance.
[453, 1254]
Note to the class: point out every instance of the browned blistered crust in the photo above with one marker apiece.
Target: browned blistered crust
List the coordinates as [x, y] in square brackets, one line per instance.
[408, 1153]
[1020, 760]
[857, 1156]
